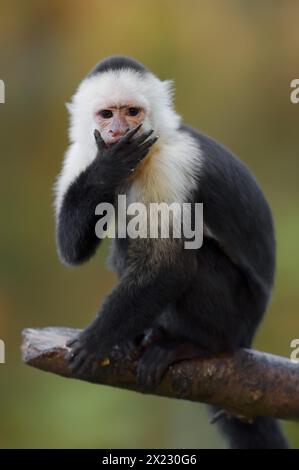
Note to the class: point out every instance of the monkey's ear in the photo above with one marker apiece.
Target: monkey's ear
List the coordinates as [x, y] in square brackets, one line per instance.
[69, 107]
[168, 86]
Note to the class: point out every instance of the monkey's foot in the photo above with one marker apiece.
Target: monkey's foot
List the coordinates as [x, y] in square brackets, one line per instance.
[88, 349]
[132, 350]
[83, 351]
[129, 351]
[159, 356]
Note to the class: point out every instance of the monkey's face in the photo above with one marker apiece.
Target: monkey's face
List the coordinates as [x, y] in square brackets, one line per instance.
[113, 122]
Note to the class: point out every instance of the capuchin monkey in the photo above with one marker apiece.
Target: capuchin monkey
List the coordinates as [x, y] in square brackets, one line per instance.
[171, 303]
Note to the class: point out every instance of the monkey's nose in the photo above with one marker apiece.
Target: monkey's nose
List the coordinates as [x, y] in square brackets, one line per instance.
[118, 133]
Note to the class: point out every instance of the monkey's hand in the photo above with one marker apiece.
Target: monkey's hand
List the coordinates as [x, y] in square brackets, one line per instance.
[94, 345]
[122, 158]
[127, 312]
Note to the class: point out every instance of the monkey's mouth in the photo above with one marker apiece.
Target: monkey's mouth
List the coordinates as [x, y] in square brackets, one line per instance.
[114, 140]
[111, 142]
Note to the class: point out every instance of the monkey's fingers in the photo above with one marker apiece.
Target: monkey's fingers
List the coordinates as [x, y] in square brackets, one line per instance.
[152, 366]
[136, 144]
[127, 137]
[75, 350]
[139, 140]
[72, 341]
[147, 145]
[99, 141]
[142, 150]
[81, 362]
[137, 157]
[77, 360]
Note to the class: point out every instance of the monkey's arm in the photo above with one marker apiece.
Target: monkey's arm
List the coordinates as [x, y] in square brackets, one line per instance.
[76, 237]
[76, 222]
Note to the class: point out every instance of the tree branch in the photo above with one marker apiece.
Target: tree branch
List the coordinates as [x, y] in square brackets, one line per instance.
[246, 384]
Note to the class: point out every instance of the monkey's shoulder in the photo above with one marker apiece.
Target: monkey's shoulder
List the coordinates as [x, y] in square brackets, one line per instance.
[214, 153]
[222, 170]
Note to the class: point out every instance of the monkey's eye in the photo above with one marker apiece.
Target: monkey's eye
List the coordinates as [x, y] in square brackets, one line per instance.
[133, 111]
[105, 113]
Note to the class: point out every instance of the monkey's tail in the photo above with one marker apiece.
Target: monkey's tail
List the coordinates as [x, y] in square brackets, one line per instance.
[263, 433]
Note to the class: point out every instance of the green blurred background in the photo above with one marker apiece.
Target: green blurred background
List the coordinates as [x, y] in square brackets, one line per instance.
[232, 62]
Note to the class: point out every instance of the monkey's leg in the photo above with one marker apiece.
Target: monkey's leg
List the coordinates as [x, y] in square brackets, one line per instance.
[211, 317]
[130, 309]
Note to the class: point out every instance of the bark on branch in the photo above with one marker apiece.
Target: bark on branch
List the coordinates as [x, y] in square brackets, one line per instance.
[247, 384]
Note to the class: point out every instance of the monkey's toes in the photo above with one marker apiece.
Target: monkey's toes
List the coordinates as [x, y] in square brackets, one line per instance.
[152, 366]
[79, 358]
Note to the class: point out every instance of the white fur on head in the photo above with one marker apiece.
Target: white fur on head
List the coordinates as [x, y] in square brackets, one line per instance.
[117, 88]
[113, 87]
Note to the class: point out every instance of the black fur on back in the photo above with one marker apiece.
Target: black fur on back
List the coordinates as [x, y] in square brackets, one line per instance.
[117, 63]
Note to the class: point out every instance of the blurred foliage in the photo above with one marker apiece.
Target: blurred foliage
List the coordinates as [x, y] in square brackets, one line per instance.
[232, 62]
